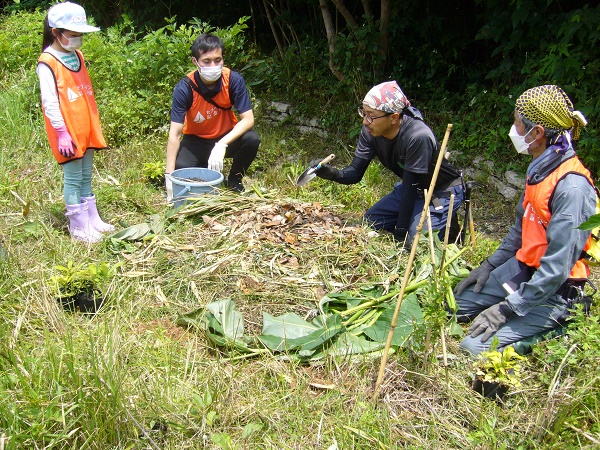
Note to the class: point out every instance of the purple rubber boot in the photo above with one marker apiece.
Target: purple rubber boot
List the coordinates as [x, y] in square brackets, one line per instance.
[95, 220]
[79, 225]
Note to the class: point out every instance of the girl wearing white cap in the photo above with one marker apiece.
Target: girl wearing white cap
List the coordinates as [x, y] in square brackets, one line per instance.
[71, 115]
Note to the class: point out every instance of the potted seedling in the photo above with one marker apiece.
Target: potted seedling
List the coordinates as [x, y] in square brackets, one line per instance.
[496, 372]
[154, 173]
[64, 286]
[81, 286]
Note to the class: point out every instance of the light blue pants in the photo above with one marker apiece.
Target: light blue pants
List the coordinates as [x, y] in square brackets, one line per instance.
[539, 319]
[78, 178]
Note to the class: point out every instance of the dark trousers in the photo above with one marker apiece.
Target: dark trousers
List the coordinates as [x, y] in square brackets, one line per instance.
[383, 215]
[194, 151]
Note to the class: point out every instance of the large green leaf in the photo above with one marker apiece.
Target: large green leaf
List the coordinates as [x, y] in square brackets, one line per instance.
[289, 326]
[227, 317]
[133, 233]
[141, 230]
[221, 322]
[308, 336]
[410, 315]
[348, 344]
[336, 301]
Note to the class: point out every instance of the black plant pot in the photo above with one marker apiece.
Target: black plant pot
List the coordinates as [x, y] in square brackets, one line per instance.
[489, 389]
[89, 301]
[157, 181]
[68, 303]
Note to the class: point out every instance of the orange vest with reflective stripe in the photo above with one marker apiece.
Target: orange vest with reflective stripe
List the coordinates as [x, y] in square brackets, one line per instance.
[204, 119]
[537, 216]
[77, 106]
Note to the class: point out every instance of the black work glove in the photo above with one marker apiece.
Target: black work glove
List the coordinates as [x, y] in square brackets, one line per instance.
[326, 171]
[490, 320]
[478, 276]
[401, 236]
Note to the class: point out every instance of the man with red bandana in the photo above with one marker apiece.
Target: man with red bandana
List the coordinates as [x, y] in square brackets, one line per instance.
[394, 132]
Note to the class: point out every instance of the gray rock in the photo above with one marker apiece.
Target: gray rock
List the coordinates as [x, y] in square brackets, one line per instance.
[514, 179]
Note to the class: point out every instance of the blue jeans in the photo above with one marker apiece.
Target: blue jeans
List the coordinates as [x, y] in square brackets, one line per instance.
[78, 178]
[383, 215]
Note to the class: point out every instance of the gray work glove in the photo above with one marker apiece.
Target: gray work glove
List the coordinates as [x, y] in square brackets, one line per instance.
[478, 276]
[326, 171]
[490, 320]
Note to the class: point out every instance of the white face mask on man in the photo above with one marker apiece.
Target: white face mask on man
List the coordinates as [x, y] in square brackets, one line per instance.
[519, 141]
[211, 73]
[73, 43]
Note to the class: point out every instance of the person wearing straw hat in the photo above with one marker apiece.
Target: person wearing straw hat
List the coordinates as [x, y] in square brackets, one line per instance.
[528, 284]
[202, 113]
[394, 132]
[71, 115]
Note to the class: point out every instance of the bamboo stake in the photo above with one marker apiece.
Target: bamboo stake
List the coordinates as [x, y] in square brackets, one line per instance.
[446, 238]
[411, 258]
[471, 225]
[431, 246]
[444, 352]
[447, 234]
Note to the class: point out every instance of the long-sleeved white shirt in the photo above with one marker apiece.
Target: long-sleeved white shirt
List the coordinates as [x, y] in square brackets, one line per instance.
[48, 91]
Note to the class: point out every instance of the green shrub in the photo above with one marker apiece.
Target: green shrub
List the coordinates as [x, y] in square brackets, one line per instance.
[20, 41]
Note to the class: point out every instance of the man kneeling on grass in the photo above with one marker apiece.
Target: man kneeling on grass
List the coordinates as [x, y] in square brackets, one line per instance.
[528, 284]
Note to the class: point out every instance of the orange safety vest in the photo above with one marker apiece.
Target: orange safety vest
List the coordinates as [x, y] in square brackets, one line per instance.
[77, 106]
[204, 119]
[537, 216]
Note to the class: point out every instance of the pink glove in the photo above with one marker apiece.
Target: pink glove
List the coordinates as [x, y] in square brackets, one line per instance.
[65, 142]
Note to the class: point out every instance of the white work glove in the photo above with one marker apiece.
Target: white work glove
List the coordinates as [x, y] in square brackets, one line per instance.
[215, 161]
[169, 187]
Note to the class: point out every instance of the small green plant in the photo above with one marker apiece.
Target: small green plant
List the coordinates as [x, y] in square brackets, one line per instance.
[154, 172]
[502, 368]
[76, 284]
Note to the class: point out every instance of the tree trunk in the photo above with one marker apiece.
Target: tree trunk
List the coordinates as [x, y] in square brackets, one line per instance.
[339, 4]
[368, 11]
[329, 29]
[384, 30]
[273, 29]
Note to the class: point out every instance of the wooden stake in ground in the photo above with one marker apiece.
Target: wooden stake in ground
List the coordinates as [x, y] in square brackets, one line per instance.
[442, 262]
[447, 234]
[411, 258]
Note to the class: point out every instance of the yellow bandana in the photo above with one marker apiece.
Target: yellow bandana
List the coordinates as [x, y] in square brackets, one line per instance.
[550, 107]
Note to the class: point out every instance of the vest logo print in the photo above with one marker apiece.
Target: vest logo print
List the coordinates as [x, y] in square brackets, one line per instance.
[72, 95]
[199, 118]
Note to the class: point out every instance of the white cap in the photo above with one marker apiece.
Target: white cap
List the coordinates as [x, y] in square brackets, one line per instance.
[69, 16]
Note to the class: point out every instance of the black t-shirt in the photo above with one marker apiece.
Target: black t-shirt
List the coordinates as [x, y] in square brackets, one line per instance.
[414, 149]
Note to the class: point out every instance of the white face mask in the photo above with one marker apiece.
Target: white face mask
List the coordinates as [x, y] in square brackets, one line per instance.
[211, 73]
[519, 141]
[73, 43]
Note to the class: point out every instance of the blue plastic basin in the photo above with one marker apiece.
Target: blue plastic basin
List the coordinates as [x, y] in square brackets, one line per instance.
[184, 189]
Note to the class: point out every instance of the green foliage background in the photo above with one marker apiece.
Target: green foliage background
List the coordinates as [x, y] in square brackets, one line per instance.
[462, 63]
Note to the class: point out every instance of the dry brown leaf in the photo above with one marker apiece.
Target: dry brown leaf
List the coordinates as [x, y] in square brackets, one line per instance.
[290, 238]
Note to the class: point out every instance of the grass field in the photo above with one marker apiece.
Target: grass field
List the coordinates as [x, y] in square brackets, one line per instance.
[129, 377]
